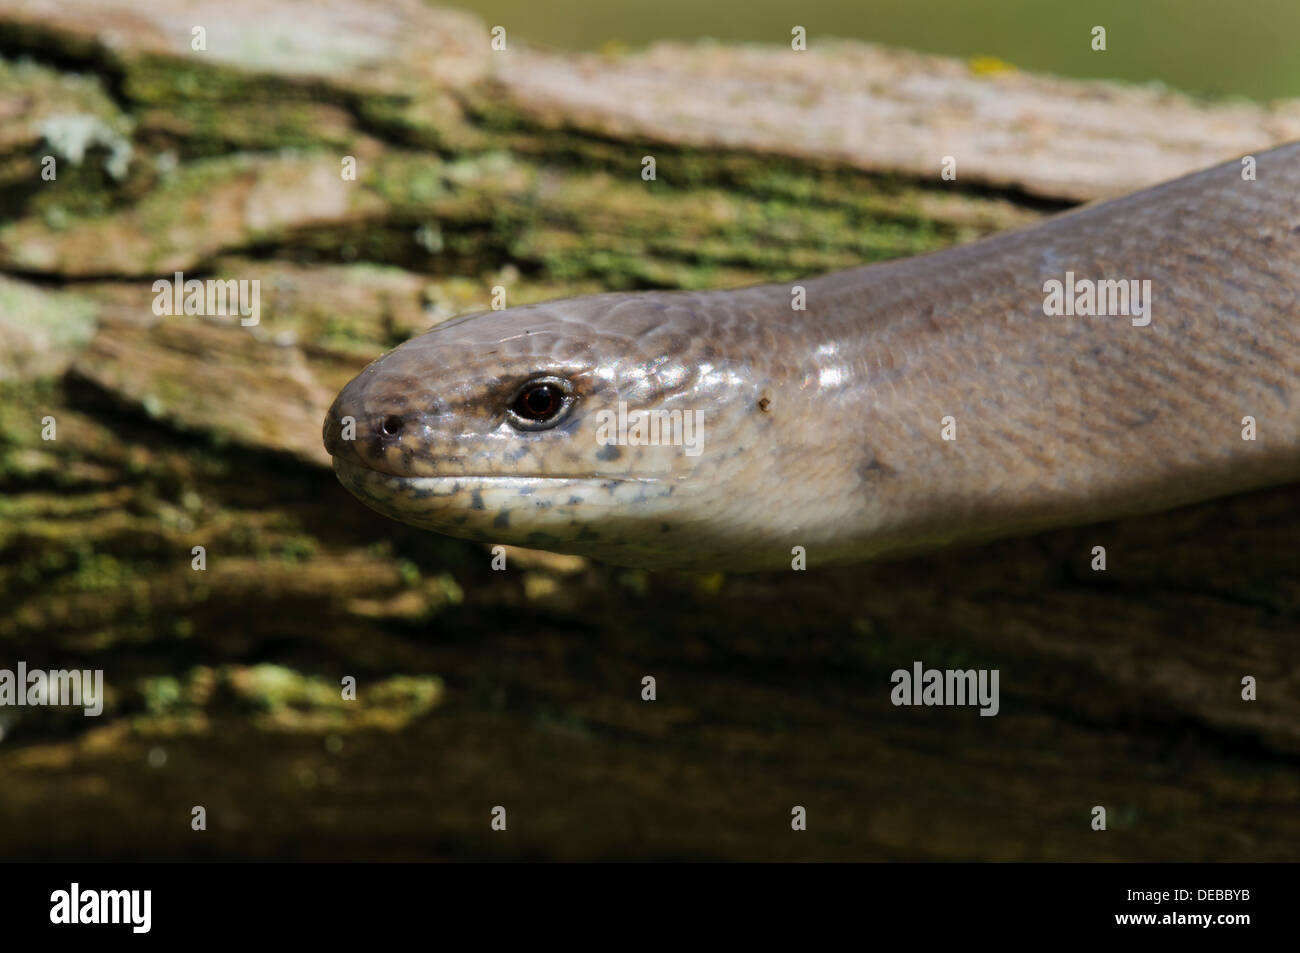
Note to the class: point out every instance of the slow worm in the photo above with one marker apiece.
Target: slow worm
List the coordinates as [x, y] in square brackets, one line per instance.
[906, 406]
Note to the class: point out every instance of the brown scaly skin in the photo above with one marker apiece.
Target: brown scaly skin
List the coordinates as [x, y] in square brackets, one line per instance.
[822, 427]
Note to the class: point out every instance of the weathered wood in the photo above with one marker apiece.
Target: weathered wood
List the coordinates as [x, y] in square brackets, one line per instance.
[522, 687]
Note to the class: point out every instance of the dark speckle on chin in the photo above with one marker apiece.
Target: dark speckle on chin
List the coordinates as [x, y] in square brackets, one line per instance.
[870, 469]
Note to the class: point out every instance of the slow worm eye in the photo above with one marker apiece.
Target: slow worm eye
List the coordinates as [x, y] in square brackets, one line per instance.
[541, 403]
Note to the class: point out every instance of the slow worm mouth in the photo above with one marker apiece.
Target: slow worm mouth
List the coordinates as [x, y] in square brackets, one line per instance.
[345, 467]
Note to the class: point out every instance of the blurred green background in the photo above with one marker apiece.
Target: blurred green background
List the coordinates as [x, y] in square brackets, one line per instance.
[1201, 46]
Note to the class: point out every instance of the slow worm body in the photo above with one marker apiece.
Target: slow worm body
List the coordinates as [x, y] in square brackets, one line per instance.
[906, 406]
